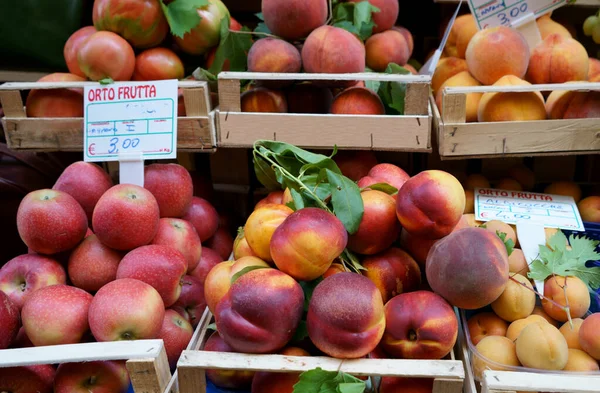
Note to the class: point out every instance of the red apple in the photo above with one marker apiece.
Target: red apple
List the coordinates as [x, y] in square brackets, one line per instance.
[204, 218]
[27, 379]
[27, 273]
[385, 173]
[171, 185]
[56, 315]
[126, 217]
[126, 309]
[51, 221]
[419, 325]
[176, 333]
[162, 267]
[222, 243]
[182, 236]
[209, 259]
[92, 377]
[93, 265]
[86, 182]
[228, 379]
[9, 321]
[191, 300]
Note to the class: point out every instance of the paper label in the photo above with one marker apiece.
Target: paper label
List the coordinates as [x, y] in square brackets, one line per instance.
[551, 211]
[130, 117]
[491, 13]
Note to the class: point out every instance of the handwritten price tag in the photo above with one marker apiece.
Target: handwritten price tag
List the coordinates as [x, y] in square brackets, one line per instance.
[491, 13]
[551, 211]
[130, 118]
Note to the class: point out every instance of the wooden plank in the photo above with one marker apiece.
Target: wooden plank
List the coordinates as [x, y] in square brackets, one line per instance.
[365, 76]
[229, 95]
[196, 102]
[454, 108]
[535, 382]
[184, 84]
[150, 375]
[416, 100]
[406, 133]
[577, 86]
[12, 104]
[446, 385]
[578, 3]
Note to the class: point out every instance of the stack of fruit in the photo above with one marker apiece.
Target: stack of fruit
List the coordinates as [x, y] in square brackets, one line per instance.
[500, 56]
[107, 263]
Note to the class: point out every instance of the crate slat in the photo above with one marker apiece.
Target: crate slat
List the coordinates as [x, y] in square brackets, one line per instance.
[507, 381]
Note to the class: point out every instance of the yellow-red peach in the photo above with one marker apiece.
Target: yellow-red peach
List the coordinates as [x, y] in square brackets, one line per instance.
[228, 379]
[584, 105]
[589, 339]
[566, 188]
[294, 19]
[511, 106]
[260, 226]
[273, 55]
[594, 70]
[558, 59]
[567, 291]
[447, 68]
[261, 99]
[589, 208]
[485, 324]
[393, 272]
[384, 48]
[571, 333]
[463, 25]
[463, 78]
[333, 50]
[357, 101]
[464, 36]
[541, 346]
[496, 226]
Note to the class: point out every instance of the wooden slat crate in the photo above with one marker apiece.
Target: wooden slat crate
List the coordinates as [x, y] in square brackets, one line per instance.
[410, 132]
[585, 3]
[458, 139]
[448, 374]
[195, 131]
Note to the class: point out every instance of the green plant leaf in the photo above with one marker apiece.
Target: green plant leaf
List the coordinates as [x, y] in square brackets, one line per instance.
[356, 18]
[383, 187]
[212, 326]
[393, 94]
[106, 81]
[245, 270]
[352, 387]
[298, 200]
[261, 27]
[308, 288]
[204, 75]
[182, 15]
[346, 200]
[265, 174]
[508, 243]
[348, 26]
[311, 381]
[260, 16]
[285, 149]
[351, 261]
[234, 47]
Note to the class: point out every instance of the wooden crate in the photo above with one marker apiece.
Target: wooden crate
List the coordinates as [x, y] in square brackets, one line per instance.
[458, 139]
[449, 374]
[195, 131]
[411, 132]
[585, 3]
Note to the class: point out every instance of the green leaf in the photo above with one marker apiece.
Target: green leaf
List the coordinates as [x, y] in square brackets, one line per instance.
[351, 261]
[245, 270]
[363, 18]
[204, 75]
[508, 243]
[182, 15]
[301, 332]
[348, 26]
[558, 242]
[261, 27]
[212, 326]
[346, 200]
[298, 201]
[265, 174]
[383, 187]
[234, 47]
[352, 387]
[106, 81]
[308, 288]
[538, 271]
[285, 149]
[260, 16]
[311, 381]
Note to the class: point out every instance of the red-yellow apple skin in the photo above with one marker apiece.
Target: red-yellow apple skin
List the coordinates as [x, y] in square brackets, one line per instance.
[92, 265]
[307, 242]
[126, 217]
[204, 218]
[267, 382]
[221, 242]
[51, 221]
[92, 377]
[176, 332]
[209, 259]
[25, 274]
[345, 316]
[260, 227]
[406, 385]
[171, 185]
[588, 335]
[56, 315]
[261, 311]
[182, 236]
[126, 309]
[191, 299]
[27, 379]
[10, 321]
[419, 325]
[86, 182]
[21, 341]
[274, 197]
[228, 379]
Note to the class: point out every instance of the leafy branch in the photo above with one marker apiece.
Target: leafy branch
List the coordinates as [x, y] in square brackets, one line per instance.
[321, 381]
[182, 15]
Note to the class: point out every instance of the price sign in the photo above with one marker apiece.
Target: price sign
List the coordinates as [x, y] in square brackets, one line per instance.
[130, 118]
[512, 207]
[491, 13]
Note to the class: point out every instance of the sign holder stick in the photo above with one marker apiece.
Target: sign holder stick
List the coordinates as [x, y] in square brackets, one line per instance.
[131, 168]
[531, 236]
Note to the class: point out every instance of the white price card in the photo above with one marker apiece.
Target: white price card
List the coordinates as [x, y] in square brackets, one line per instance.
[126, 118]
[551, 211]
[491, 13]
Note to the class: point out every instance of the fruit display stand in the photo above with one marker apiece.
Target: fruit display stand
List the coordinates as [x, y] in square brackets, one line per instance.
[449, 374]
[410, 132]
[458, 139]
[195, 131]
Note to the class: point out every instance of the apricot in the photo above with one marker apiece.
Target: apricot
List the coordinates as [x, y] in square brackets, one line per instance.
[430, 204]
[406, 385]
[346, 316]
[476, 180]
[357, 101]
[241, 248]
[463, 78]
[417, 247]
[547, 26]
[495, 353]
[485, 324]
[260, 227]
[379, 226]
[589, 339]
[355, 164]
[384, 48]
[333, 50]
[524, 175]
[580, 361]
[419, 325]
[565, 291]
[516, 327]
[452, 261]
[471, 221]
[261, 311]
[566, 188]
[509, 184]
[447, 68]
[393, 272]
[407, 36]
[307, 242]
[517, 262]
[558, 59]
[385, 173]
[274, 55]
[589, 208]
[261, 99]
[294, 19]
[539, 310]
[496, 226]
[511, 106]
[387, 15]
[309, 98]
[228, 379]
[517, 301]
[541, 346]
[571, 334]
[469, 202]
[269, 382]
[56, 102]
[462, 31]
[496, 52]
